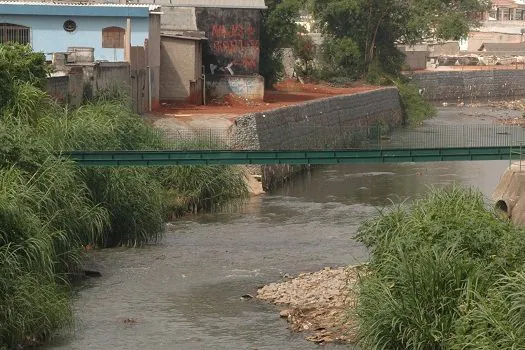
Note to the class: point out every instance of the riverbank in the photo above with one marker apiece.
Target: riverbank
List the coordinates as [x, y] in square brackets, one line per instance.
[320, 304]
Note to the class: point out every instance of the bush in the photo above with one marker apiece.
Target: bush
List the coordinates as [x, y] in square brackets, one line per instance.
[305, 51]
[341, 57]
[429, 262]
[415, 107]
[18, 63]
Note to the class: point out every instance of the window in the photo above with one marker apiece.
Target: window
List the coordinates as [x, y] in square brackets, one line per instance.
[70, 26]
[13, 33]
[113, 37]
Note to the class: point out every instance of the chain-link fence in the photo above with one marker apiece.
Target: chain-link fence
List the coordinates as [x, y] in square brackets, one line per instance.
[323, 137]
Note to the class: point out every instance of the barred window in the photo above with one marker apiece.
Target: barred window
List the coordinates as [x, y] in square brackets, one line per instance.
[113, 37]
[13, 33]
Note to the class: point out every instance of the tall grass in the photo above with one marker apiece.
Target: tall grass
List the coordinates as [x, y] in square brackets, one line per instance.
[50, 209]
[431, 263]
[134, 201]
[495, 320]
[45, 218]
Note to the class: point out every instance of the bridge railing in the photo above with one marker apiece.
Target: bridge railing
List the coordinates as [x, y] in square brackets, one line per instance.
[315, 137]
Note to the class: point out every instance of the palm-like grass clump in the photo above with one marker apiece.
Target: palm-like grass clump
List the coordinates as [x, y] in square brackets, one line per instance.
[444, 274]
[50, 209]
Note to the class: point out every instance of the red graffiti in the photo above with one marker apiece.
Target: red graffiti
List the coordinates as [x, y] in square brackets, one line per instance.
[237, 31]
[234, 31]
[227, 47]
[219, 31]
[250, 31]
[249, 63]
[233, 47]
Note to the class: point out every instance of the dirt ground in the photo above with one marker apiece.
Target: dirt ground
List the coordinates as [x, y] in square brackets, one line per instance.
[286, 93]
[319, 304]
[519, 66]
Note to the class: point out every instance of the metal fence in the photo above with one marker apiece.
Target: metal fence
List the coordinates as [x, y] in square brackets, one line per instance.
[330, 138]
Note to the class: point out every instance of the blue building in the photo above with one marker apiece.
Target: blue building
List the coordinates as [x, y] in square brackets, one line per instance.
[51, 27]
[97, 31]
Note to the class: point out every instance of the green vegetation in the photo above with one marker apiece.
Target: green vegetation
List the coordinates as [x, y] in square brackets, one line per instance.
[50, 209]
[444, 273]
[278, 30]
[361, 38]
[375, 27]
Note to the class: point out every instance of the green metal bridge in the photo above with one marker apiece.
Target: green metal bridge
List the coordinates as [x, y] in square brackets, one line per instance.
[430, 143]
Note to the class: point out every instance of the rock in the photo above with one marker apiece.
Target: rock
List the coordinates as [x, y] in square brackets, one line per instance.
[285, 313]
[246, 297]
[92, 273]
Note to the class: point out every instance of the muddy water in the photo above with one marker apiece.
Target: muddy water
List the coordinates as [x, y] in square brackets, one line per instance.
[185, 293]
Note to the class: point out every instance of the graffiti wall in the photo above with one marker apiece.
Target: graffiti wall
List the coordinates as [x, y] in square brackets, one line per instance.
[233, 40]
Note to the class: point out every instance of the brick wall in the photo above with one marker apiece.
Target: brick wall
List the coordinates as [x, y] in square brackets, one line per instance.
[470, 86]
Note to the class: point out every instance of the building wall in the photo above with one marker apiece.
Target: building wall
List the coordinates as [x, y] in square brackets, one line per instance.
[249, 87]
[326, 120]
[233, 40]
[154, 58]
[476, 39]
[449, 48]
[177, 69]
[470, 86]
[176, 18]
[89, 80]
[48, 34]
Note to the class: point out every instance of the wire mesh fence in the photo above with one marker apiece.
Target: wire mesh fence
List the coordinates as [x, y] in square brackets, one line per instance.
[308, 137]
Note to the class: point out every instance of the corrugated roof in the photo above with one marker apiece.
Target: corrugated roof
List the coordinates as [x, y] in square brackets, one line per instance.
[244, 4]
[150, 7]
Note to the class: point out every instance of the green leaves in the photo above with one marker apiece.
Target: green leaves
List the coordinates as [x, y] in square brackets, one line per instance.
[377, 26]
[278, 30]
[18, 63]
[435, 276]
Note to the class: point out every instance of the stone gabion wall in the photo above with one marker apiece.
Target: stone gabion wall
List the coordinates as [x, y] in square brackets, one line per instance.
[317, 124]
[470, 86]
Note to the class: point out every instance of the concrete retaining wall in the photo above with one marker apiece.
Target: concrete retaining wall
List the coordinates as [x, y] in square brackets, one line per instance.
[249, 87]
[88, 80]
[471, 86]
[317, 124]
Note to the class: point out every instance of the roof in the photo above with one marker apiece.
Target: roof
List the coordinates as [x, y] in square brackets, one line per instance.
[187, 35]
[502, 47]
[174, 36]
[76, 9]
[238, 4]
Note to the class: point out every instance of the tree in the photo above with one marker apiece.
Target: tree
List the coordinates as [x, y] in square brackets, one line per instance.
[377, 26]
[278, 30]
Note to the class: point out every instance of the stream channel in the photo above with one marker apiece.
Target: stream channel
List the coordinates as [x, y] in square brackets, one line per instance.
[185, 292]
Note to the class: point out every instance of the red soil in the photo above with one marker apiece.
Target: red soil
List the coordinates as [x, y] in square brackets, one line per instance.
[284, 94]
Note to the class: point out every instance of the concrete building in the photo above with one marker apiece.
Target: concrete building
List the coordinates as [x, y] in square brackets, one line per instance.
[230, 55]
[181, 68]
[87, 32]
[51, 27]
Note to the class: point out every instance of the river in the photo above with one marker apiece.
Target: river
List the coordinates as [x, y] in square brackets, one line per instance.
[185, 292]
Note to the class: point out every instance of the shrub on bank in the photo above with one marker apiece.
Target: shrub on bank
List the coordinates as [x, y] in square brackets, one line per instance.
[432, 265]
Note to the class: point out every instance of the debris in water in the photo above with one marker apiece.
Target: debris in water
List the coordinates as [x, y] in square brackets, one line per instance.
[246, 297]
